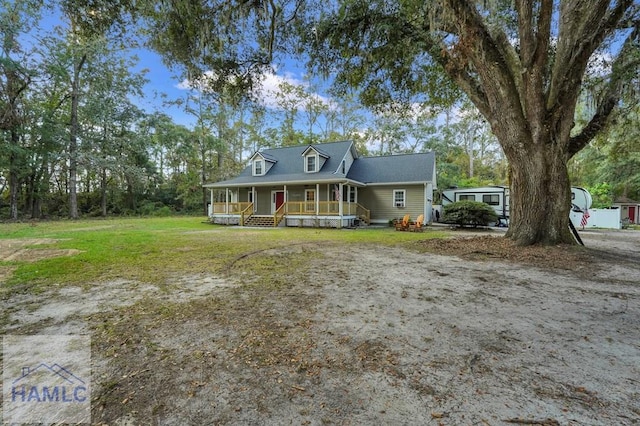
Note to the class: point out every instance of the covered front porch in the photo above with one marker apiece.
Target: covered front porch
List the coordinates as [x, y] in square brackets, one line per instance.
[320, 205]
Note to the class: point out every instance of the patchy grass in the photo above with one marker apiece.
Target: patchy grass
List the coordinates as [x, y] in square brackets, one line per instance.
[156, 249]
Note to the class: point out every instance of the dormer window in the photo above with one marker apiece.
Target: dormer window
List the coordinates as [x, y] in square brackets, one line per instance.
[312, 163]
[258, 167]
[314, 159]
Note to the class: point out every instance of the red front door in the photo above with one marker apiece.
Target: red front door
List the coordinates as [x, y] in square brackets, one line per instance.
[279, 199]
[632, 214]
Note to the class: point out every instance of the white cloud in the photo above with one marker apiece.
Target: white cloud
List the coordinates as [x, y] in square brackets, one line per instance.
[270, 86]
[267, 89]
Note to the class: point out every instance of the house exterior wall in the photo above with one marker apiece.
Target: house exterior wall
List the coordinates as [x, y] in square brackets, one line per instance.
[348, 160]
[263, 205]
[294, 194]
[379, 199]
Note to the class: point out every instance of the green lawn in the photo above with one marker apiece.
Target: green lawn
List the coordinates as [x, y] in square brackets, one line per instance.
[155, 249]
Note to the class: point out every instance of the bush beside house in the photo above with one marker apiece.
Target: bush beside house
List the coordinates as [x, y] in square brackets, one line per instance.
[469, 213]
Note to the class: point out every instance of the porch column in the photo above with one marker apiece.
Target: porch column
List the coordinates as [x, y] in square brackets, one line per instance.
[286, 199]
[349, 197]
[226, 201]
[317, 198]
[428, 202]
[211, 202]
[253, 198]
[341, 191]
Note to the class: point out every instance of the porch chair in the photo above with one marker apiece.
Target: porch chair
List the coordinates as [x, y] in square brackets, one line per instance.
[418, 225]
[403, 225]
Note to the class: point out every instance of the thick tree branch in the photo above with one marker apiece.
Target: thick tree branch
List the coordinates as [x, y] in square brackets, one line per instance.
[535, 34]
[580, 35]
[624, 65]
[497, 75]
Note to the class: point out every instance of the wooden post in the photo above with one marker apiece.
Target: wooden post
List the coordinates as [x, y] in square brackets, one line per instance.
[340, 209]
[253, 199]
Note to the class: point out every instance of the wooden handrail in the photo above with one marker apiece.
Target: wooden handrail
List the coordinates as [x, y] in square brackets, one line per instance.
[237, 208]
[244, 212]
[279, 214]
[363, 213]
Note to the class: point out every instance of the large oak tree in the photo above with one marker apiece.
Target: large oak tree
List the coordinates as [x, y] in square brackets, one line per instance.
[522, 63]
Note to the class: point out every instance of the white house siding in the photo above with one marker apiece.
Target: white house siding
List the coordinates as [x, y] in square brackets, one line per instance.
[379, 199]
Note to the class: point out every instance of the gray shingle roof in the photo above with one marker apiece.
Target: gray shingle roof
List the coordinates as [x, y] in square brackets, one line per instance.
[394, 168]
[289, 167]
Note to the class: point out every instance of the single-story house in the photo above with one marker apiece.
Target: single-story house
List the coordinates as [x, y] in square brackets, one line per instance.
[325, 185]
[629, 209]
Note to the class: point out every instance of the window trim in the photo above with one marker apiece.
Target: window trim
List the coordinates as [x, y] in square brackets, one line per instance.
[315, 163]
[403, 203]
[307, 200]
[255, 168]
[353, 194]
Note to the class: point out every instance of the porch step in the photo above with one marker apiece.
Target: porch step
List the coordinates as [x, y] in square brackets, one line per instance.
[260, 221]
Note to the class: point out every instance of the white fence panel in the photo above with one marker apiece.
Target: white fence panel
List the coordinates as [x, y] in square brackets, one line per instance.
[599, 218]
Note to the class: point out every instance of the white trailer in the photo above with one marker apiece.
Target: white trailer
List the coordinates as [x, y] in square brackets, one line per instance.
[498, 198]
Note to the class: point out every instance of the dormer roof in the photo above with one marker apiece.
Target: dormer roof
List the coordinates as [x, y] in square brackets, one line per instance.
[320, 152]
[264, 156]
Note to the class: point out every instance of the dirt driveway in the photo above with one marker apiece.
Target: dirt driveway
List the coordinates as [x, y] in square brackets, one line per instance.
[460, 335]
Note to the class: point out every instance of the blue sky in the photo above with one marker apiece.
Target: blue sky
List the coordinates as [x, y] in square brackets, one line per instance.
[165, 85]
[163, 80]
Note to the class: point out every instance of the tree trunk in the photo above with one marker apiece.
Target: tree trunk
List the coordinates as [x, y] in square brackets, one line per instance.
[203, 180]
[73, 138]
[13, 178]
[103, 192]
[539, 178]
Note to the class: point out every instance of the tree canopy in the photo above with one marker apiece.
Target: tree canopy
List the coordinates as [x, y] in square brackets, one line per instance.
[523, 65]
[540, 78]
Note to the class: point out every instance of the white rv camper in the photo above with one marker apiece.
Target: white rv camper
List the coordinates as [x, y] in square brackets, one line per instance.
[498, 198]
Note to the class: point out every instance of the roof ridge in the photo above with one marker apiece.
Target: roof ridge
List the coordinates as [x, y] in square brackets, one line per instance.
[306, 145]
[398, 155]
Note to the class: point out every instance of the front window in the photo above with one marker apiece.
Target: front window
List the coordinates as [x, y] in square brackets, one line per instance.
[399, 198]
[311, 164]
[353, 194]
[310, 200]
[467, 198]
[258, 167]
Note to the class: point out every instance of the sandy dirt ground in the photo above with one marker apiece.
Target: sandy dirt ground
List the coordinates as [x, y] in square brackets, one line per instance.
[456, 335]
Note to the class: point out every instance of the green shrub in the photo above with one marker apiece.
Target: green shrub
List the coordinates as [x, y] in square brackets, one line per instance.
[469, 213]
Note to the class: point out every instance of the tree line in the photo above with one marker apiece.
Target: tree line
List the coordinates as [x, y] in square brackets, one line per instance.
[76, 141]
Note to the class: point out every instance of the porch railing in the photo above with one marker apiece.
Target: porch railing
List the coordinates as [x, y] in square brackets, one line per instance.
[230, 208]
[246, 213]
[325, 208]
[279, 214]
[363, 213]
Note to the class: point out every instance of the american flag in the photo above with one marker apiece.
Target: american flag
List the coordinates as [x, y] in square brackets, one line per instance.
[336, 192]
[585, 218]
